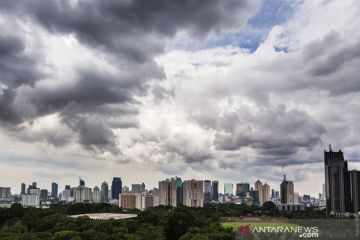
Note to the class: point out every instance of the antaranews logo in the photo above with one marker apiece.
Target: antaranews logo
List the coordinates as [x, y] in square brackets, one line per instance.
[304, 232]
[245, 230]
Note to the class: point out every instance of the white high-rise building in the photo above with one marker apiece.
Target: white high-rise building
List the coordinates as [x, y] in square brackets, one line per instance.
[82, 194]
[296, 197]
[65, 195]
[30, 200]
[96, 196]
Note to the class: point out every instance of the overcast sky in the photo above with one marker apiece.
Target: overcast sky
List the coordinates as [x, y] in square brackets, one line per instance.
[233, 90]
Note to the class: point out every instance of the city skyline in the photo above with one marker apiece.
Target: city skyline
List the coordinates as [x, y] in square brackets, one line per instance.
[234, 90]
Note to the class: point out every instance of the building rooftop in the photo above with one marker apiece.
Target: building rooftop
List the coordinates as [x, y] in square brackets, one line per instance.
[105, 216]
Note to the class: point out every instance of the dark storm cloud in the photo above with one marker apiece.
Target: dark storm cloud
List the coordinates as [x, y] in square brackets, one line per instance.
[94, 133]
[127, 34]
[272, 132]
[7, 112]
[17, 67]
[133, 28]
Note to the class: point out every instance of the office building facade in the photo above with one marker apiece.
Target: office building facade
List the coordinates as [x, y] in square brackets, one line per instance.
[337, 182]
[116, 187]
[193, 193]
[287, 191]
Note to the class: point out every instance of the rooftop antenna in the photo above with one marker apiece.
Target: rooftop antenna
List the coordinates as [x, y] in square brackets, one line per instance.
[330, 147]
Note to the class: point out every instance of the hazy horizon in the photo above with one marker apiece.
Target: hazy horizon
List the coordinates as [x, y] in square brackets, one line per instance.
[234, 90]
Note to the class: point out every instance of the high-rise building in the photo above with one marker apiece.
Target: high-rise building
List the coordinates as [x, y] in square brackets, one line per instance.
[135, 188]
[355, 190]
[130, 200]
[81, 183]
[156, 191]
[207, 191]
[96, 196]
[272, 194]
[23, 188]
[32, 186]
[265, 193]
[116, 187]
[65, 195]
[193, 193]
[142, 188]
[296, 197]
[5, 192]
[287, 191]
[258, 187]
[337, 182]
[82, 194]
[254, 194]
[125, 189]
[171, 192]
[54, 190]
[30, 200]
[242, 189]
[228, 188]
[149, 201]
[44, 195]
[215, 191]
[104, 192]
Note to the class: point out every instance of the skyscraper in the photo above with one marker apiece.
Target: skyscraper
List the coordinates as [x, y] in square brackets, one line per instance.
[96, 196]
[171, 192]
[355, 190]
[104, 192]
[193, 193]
[136, 188]
[142, 188]
[242, 189]
[254, 194]
[5, 192]
[116, 187]
[258, 187]
[265, 193]
[44, 195]
[337, 182]
[54, 190]
[207, 191]
[272, 193]
[228, 188]
[81, 183]
[287, 191]
[215, 191]
[23, 188]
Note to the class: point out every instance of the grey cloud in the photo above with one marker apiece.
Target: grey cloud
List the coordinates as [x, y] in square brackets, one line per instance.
[128, 34]
[132, 28]
[17, 67]
[272, 132]
[94, 134]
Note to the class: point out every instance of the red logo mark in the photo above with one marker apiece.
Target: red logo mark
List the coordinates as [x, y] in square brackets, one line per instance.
[245, 229]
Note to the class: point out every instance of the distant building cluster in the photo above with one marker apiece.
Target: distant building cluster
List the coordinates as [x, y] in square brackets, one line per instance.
[170, 192]
[340, 192]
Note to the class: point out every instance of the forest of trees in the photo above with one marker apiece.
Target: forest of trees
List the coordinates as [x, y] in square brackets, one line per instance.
[18, 223]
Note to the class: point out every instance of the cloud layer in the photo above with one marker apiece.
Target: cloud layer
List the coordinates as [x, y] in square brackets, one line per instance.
[141, 83]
